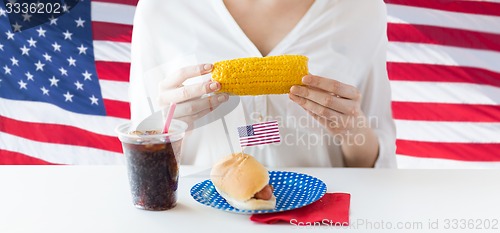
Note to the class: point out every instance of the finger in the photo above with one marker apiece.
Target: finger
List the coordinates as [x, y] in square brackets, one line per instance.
[193, 107]
[191, 118]
[321, 97]
[332, 86]
[185, 93]
[333, 126]
[316, 108]
[178, 77]
[323, 121]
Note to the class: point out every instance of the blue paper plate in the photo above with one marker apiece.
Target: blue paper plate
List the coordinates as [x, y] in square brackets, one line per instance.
[292, 190]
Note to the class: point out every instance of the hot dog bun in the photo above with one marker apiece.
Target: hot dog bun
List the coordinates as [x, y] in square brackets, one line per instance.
[237, 178]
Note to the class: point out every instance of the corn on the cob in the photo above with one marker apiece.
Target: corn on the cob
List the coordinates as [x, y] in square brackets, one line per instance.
[260, 76]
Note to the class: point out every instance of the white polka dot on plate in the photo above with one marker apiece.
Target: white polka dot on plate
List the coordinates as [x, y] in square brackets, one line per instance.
[292, 190]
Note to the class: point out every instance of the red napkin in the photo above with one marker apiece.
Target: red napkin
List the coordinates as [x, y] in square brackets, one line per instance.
[332, 207]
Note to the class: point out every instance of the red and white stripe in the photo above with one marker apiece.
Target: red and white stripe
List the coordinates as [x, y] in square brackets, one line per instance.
[444, 66]
[264, 133]
[443, 63]
[40, 133]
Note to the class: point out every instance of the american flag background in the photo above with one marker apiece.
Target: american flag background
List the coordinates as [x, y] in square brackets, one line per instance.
[63, 87]
[259, 134]
[444, 65]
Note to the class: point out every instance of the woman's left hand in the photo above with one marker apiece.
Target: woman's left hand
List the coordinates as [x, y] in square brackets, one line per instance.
[336, 105]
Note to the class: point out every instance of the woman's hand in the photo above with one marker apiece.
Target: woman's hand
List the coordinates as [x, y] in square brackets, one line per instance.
[190, 104]
[334, 104]
[337, 106]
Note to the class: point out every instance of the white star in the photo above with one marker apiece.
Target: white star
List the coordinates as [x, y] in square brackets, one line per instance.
[68, 97]
[29, 76]
[41, 32]
[56, 46]
[47, 57]
[1, 47]
[10, 35]
[14, 61]
[67, 35]
[22, 84]
[79, 22]
[39, 65]
[45, 91]
[53, 20]
[65, 7]
[2, 12]
[25, 50]
[79, 85]
[94, 100]
[7, 70]
[53, 81]
[17, 27]
[32, 42]
[26, 17]
[12, 1]
[87, 75]
[63, 71]
[72, 62]
[82, 49]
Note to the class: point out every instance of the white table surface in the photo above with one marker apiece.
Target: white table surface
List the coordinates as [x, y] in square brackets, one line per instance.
[96, 199]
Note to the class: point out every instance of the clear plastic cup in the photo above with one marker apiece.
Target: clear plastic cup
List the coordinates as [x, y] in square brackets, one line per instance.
[153, 165]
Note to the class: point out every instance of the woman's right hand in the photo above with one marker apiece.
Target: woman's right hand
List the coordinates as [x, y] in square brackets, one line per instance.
[190, 104]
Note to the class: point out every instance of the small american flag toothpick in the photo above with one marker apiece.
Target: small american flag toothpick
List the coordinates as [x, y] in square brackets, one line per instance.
[259, 134]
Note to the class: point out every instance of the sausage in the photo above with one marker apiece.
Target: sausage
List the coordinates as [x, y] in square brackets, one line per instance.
[266, 193]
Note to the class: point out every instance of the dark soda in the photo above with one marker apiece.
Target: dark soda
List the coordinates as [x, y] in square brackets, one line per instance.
[153, 170]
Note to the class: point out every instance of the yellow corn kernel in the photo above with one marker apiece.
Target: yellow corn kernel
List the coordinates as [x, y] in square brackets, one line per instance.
[260, 75]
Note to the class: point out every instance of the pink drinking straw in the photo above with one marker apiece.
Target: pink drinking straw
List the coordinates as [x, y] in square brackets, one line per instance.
[170, 115]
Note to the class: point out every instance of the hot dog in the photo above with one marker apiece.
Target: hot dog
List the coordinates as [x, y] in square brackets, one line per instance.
[243, 182]
[266, 193]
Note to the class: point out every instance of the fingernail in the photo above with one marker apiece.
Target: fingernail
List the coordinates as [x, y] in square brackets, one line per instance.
[214, 86]
[221, 98]
[306, 79]
[294, 89]
[207, 67]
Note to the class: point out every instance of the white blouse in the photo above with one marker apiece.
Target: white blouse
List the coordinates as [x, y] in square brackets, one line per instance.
[345, 40]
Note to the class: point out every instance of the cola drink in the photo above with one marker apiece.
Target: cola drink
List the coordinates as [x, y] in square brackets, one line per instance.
[153, 161]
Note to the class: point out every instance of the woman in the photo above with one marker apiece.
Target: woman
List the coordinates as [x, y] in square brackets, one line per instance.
[341, 116]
